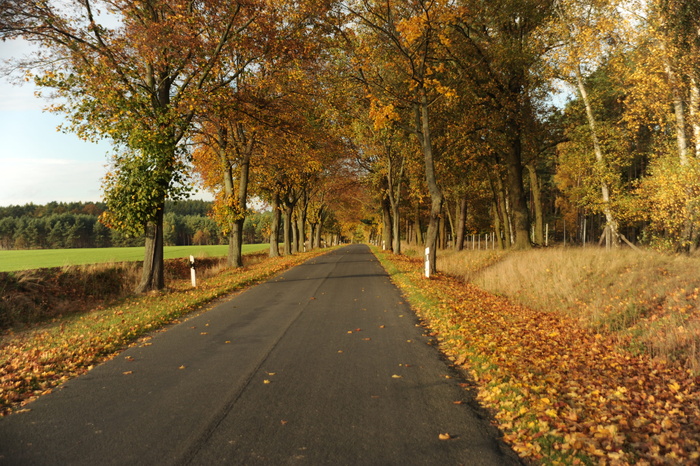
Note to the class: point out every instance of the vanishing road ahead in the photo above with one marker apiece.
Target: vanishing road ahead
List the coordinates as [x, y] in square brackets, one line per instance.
[322, 365]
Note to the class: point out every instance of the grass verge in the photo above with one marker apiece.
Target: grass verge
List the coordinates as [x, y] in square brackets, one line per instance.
[35, 360]
[650, 302]
[561, 393]
[25, 259]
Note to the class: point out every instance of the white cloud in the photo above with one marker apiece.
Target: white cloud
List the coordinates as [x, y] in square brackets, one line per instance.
[45, 180]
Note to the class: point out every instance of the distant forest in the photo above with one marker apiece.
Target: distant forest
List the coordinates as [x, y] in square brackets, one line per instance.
[59, 225]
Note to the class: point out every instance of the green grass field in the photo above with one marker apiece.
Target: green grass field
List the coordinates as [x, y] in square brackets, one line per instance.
[41, 258]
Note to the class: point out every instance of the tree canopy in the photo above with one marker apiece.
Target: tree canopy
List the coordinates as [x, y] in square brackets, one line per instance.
[419, 121]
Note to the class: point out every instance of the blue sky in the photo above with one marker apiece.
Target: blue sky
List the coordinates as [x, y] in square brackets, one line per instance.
[38, 163]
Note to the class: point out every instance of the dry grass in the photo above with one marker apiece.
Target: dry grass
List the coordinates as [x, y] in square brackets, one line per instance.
[649, 301]
[28, 297]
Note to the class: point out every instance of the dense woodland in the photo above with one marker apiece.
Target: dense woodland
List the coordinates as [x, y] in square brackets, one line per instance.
[416, 120]
[77, 225]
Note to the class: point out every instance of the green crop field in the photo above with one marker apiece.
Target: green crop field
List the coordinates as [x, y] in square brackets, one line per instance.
[41, 258]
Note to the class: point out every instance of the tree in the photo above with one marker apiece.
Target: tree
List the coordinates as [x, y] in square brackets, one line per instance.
[133, 71]
[584, 28]
[398, 63]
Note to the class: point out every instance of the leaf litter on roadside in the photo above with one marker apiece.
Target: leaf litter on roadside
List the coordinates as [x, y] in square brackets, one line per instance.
[36, 360]
[559, 393]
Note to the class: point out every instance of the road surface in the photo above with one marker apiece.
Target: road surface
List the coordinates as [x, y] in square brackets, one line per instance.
[322, 365]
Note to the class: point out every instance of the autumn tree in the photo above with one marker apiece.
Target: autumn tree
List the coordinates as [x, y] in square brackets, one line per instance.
[664, 93]
[134, 72]
[397, 60]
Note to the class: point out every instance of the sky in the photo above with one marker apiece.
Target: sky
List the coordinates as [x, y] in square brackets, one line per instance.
[39, 164]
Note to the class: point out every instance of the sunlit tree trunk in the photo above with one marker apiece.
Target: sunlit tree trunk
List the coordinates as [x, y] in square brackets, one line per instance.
[394, 181]
[275, 226]
[611, 228]
[295, 233]
[436, 196]
[152, 277]
[694, 113]
[497, 223]
[461, 223]
[503, 211]
[537, 204]
[318, 230]
[287, 228]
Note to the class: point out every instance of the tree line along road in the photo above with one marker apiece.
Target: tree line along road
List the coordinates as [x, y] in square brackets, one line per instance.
[323, 364]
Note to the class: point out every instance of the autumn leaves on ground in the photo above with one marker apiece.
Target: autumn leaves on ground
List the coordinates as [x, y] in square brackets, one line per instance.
[560, 389]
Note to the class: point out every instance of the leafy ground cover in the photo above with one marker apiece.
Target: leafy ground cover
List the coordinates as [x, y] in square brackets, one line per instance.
[36, 360]
[26, 259]
[561, 393]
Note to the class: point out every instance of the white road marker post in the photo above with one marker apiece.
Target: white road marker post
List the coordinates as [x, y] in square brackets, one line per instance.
[193, 274]
[427, 262]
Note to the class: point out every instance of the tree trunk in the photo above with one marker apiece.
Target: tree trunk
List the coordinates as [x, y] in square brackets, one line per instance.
[287, 229]
[504, 212]
[244, 147]
[312, 235]
[497, 224]
[387, 224]
[442, 233]
[611, 233]
[417, 226]
[435, 192]
[396, 228]
[275, 226]
[461, 223]
[152, 276]
[295, 234]
[235, 248]
[317, 234]
[678, 112]
[694, 113]
[537, 204]
[521, 221]
[245, 151]
[450, 221]
[301, 222]
[222, 141]
[394, 181]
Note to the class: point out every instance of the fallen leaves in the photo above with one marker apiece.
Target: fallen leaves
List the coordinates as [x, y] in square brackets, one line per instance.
[560, 392]
[444, 436]
[34, 361]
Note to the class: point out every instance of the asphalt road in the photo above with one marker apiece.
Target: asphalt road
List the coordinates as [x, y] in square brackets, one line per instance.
[322, 365]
